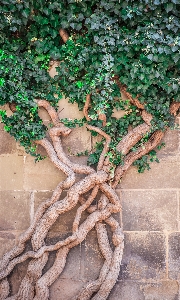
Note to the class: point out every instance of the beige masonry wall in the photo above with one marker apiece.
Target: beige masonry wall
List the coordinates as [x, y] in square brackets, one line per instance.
[150, 218]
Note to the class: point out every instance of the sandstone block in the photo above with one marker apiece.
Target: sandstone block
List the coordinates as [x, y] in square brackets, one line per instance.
[165, 290]
[126, 290]
[11, 177]
[65, 289]
[69, 110]
[149, 210]
[174, 255]
[15, 278]
[77, 141]
[8, 143]
[91, 259]
[73, 265]
[64, 222]
[42, 175]
[165, 174]
[7, 241]
[15, 210]
[171, 140]
[144, 256]
[73, 262]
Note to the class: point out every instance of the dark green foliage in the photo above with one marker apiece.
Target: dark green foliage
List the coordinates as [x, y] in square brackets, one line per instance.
[137, 40]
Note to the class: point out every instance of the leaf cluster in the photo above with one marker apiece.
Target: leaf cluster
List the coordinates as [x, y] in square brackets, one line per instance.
[138, 41]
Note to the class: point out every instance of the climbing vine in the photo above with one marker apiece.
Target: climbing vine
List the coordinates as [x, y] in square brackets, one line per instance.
[115, 55]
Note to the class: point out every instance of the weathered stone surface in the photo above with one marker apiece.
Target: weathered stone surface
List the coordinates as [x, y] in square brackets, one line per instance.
[126, 290]
[43, 114]
[77, 141]
[149, 210]
[11, 176]
[40, 197]
[171, 140]
[7, 241]
[73, 263]
[144, 256]
[91, 259]
[118, 113]
[15, 210]
[174, 255]
[42, 175]
[8, 143]
[69, 110]
[65, 289]
[166, 290]
[129, 290]
[17, 275]
[64, 222]
[166, 174]
[72, 268]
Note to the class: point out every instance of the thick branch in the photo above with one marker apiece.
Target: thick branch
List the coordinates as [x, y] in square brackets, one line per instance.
[80, 169]
[65, 205]
[106, 146]
[145, 115]
[84, 207]
[56, 194]
[134, 136]
[154, 140]
[43, 284]
[105, 248]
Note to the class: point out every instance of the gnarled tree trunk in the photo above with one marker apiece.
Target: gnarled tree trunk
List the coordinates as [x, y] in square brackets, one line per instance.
[101, 203]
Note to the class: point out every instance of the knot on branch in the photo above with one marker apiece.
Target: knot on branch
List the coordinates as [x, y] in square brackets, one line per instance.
[60, 130]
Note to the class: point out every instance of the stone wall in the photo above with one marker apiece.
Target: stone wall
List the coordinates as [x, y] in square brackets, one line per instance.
[150, 218]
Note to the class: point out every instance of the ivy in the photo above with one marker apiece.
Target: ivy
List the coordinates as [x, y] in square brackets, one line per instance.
[138, 41]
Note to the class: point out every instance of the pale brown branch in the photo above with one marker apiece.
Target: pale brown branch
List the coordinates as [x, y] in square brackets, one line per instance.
[65, 205]
[105, 248]
[102, 202]
[147, 117]
[103, 241]
[43, 284]
[84, 207]
[64, 35]
[84, 228]
[132, 138]
[106, 146]
[73, 240]
[51, 111]
[55, 196]
[34, 272]
[4, 289]
[52, 155]
[174, 107]
[54, 116]
[123, 90]
[93, 286]
[91, 208]
[154, 140]
[80, 169]
[102, 117]
[116, 258]
[86, 106]
[112, 275]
